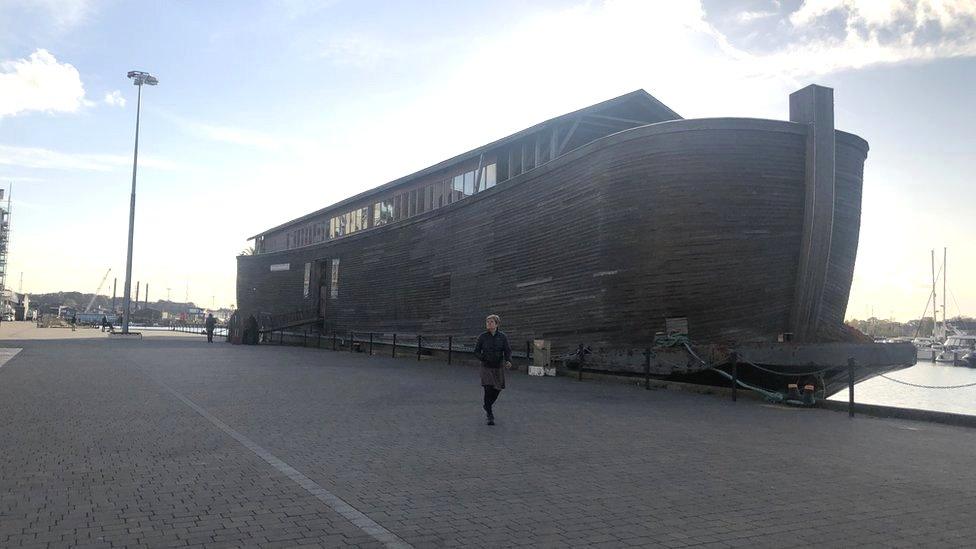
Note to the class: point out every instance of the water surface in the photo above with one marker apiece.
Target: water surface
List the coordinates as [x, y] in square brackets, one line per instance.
[879, 390]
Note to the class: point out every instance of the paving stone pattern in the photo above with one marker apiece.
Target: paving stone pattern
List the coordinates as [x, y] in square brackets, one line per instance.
[97, 452]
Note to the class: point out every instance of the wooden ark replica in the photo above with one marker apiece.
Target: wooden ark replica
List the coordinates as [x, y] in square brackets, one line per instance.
[601, 227]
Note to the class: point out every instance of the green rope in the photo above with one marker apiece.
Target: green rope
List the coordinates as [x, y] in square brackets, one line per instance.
[769, 395]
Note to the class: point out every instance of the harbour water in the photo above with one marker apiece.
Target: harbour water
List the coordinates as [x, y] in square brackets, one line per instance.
[879, 390]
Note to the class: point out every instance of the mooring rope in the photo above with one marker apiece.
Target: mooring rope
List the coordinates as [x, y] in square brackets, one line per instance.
[770, 395]
[792, 374]
[920, 386]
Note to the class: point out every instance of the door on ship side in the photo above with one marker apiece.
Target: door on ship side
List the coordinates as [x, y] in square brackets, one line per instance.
[327, 270]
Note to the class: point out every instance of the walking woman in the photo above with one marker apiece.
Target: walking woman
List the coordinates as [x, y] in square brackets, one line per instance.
[495, 355]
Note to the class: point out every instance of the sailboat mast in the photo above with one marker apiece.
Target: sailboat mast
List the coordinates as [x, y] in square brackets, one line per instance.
[935, 302]
[945, 274]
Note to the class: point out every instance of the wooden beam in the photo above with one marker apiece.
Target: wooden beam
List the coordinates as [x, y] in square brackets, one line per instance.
[477, 173]
[553, 141]
[538, 151]
[618, 119]
[511, 163]
[602, 123]
[569, 135]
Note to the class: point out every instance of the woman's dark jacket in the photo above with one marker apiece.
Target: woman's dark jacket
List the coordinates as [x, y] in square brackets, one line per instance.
[493, 350]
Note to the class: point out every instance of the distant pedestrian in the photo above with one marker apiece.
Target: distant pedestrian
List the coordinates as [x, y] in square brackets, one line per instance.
[74, 320]
[251, 331]
[210, 324]
[495, 354]
[104, 322]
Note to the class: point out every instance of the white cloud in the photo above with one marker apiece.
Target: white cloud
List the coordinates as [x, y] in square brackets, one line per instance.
[114, 98]
[64, 14]
[244, 137]
[881, 31]
[39, 158]
[358, 50]
[749, 16]
[19, 179]
[236, 136]
[39, 83]
[877, 12]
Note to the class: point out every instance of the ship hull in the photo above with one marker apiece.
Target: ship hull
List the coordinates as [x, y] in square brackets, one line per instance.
[697, 219]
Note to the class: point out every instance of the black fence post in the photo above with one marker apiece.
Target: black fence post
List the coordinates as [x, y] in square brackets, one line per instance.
[419, 348]
[371, 344]
[281, 336]
[528, 350]
[850, 386]
[735, 375]
[450, 348]
[352, 341]
[394, 345]
[647, 369]
[333, 340]
[305, 338]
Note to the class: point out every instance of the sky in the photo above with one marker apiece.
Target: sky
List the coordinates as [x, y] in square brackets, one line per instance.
[268, 110]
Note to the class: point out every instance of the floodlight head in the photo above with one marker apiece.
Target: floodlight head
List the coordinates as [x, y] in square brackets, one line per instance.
[140, 77]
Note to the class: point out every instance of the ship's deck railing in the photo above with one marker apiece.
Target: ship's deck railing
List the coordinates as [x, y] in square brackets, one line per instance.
[392, 343]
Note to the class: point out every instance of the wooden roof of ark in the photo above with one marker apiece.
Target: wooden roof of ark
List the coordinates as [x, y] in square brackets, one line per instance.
[639, 97]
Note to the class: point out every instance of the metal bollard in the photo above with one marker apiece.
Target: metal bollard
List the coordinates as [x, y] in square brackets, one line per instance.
[394, 345]
[647, 369]
[450, 348]
[333, 340]
[305, 338]
[528, 352]
[352, 342]
[850, 386]
[371, 344]
[735, 375]
[419, 348]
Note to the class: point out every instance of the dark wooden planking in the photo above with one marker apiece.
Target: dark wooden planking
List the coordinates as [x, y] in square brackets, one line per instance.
[699, 218]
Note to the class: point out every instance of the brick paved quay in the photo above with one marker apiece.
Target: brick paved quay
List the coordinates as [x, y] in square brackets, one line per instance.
[169, 441]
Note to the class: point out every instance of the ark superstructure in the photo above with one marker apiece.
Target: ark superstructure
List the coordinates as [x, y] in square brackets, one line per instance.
[605, 226]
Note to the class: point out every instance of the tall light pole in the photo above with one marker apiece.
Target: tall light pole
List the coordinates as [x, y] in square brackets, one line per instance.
[138, 79]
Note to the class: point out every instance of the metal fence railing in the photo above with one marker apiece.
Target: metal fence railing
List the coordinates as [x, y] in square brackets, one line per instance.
[395, 344]
[220, 331]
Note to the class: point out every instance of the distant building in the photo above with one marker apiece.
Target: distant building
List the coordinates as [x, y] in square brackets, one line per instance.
[22, 309]
[146, 316]
[222, 315]
[14, 306]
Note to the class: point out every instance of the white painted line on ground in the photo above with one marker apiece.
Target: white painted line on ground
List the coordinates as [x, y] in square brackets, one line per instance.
[6, 353]
[337, 504]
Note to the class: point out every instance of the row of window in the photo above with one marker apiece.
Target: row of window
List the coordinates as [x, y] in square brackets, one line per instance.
[349, 222]
[433, 196]
[400, 206]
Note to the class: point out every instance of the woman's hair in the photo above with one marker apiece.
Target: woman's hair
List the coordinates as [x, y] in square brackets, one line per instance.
[497, 320]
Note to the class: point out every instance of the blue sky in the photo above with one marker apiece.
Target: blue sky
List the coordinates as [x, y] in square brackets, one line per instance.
[268, 110]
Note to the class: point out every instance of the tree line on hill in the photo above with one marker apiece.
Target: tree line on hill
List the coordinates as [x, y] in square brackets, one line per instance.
[879, 327]
[79, 300]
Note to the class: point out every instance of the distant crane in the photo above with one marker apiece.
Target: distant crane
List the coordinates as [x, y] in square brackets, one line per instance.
[100, 284]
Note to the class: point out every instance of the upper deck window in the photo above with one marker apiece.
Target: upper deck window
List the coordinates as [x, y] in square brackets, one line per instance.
[488, 175]
[395, 208]
[383, 212]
